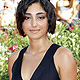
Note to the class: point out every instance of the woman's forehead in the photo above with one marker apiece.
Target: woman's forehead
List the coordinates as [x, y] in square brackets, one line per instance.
[38, 13]
[35, 8]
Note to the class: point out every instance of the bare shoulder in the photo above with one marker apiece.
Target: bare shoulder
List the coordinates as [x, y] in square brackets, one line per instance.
[57, 6]
[58, 3]
[62, 51]
[14, 56]
[64, 54]
[65, 61]
[11, 61]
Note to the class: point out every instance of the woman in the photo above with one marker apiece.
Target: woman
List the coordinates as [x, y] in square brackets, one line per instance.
[42, 59]
[67, 10]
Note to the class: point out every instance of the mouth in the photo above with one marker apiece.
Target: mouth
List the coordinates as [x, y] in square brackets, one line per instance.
[35, 31]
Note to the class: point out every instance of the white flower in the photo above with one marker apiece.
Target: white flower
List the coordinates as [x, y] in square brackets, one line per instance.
[48, 34]
[56, 34]
[8, 53]
[59, 36]
[76, 36]
[2, 58]
[63, 36]
[53, 35]
[73, 34]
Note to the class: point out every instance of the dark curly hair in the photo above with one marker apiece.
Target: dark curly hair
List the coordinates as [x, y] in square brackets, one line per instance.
[46, 5]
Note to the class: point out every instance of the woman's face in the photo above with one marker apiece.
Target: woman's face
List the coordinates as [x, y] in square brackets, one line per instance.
[36, 23]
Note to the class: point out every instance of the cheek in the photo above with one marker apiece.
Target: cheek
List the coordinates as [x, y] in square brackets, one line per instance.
[43, 22]
[25, 25]
[44, 25]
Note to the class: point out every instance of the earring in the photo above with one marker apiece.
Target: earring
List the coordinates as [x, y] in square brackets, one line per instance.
[24, 34]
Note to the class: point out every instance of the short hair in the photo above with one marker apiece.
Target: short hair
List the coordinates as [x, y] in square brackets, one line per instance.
[45, 4]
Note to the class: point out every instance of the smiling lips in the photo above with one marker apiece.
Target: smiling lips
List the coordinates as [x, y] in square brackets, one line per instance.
[34, 31]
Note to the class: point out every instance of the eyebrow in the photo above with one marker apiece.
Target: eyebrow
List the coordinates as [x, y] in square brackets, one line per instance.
[36, 14]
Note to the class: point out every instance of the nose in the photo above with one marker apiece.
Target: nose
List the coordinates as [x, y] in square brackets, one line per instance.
[34, 22]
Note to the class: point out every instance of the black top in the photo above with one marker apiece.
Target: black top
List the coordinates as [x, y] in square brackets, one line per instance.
[46, 69]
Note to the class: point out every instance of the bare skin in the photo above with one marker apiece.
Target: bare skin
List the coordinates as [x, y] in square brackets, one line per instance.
[63, 58]
[66, 3]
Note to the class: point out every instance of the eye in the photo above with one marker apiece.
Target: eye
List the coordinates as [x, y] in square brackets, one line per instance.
[41, 18]
[27, 18]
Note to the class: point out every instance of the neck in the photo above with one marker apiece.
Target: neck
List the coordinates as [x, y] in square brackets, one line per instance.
[36, 46]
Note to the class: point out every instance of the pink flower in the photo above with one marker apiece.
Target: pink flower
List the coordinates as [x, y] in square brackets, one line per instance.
[78, 79]
[76, 62]
[78, 65]
[12, 48]
[1, 29]
[79, 71]
[71, 28]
